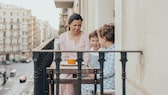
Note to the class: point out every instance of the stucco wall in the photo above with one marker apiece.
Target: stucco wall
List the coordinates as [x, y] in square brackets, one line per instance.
[96, 13]
[144, 26]
[105, 12]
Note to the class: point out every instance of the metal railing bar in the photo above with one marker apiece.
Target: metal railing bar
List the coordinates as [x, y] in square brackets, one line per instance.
[117, 51]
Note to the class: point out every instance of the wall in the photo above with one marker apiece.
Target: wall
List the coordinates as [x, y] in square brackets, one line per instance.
[96, 13]
[143, 26]
[104, 12]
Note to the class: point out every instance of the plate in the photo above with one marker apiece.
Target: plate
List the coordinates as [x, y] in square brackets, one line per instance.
[65, 63]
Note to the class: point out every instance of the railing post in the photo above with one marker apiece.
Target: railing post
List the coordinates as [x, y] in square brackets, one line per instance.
[95, 81]
[79, 60]
[57, 61]
[36, 74]
[52, 81]
[123, 61]
[101, 61]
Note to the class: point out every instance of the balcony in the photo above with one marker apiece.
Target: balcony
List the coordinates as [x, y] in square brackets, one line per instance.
[64, 3]
[46, 54]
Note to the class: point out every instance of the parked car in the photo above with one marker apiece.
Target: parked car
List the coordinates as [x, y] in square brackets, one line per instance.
[6, 62]
[25, 60]
[22, 79]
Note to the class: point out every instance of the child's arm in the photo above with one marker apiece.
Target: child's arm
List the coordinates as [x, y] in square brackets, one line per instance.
[109, 66]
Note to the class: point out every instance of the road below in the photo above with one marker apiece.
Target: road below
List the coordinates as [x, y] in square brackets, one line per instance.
[13, 86]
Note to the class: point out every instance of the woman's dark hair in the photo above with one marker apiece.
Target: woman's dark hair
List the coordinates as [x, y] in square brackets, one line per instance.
[73, 17]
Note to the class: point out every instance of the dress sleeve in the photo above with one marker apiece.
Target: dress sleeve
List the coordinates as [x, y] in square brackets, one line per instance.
[87, 48]
[62, 43]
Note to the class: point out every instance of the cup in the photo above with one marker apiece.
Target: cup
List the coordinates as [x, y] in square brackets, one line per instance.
[71, 61]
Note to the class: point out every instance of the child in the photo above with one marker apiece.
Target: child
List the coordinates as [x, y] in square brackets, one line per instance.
[95, 45]
[106, 39]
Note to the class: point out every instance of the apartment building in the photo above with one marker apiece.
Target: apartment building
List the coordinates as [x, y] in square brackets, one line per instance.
[45, 32]
[20, 31]
[14, 22]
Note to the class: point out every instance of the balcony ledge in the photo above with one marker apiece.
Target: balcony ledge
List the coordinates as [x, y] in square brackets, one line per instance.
[64, 3]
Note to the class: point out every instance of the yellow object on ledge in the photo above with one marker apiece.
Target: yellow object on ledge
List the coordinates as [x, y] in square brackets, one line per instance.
[71, 61]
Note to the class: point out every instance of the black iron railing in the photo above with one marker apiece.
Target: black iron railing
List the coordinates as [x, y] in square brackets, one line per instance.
[43, 57]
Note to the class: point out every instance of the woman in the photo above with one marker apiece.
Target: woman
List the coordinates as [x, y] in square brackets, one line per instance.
[74, 39]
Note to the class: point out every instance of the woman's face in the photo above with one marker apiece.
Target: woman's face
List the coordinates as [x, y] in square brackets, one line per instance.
[75, 26]
[94, 42]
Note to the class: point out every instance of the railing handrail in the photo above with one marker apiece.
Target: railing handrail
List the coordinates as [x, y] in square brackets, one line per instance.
[130, 51]
[41, 46]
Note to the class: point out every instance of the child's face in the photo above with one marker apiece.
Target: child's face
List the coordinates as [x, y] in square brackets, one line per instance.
[94, 42]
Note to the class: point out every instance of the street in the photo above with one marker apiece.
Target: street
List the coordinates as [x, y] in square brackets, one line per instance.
[13, 86]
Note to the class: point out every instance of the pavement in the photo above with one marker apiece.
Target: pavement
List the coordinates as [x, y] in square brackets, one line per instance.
[18, 88]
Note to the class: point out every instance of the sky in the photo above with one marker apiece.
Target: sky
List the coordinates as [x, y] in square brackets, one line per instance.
[42, 9]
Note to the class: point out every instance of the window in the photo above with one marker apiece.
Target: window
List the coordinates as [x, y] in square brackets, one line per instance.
[4, 33]
[11, 27]
[18, 20]
[4, 20]
[11, 13]
[4, 13]
[11, 20]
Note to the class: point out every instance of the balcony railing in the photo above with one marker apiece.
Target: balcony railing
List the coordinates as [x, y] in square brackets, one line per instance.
[43, 56]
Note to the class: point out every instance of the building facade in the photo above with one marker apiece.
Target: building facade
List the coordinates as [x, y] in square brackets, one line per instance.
[21, 32]
[14, 30]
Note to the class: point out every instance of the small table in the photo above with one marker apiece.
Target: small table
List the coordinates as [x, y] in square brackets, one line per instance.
[72, 70]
